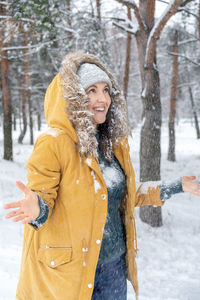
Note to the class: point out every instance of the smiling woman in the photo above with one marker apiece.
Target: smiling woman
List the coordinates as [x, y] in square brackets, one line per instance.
[80, 237]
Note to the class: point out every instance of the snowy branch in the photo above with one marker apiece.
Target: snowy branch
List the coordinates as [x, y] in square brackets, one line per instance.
[180, 9]
[67, 29]
[131, 4]
[158, 27]
[10, 18]
[184, 56]
[125, 28]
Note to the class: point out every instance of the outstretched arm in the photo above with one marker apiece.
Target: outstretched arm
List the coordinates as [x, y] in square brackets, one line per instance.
[26, 209]
[156, 192]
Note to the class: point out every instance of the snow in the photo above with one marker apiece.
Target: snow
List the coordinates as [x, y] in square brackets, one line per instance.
[112, 176]
[97, 185]
[146, 185]
[168, 257]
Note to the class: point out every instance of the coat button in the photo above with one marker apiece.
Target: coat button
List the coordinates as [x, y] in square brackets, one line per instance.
[98, 241]
[84, 249]
[90, 285]
[53, 263]
[103, 196]
[84, 264]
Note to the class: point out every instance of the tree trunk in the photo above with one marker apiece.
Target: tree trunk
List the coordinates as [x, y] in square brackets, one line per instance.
[23, 126]
[146, 37]
[23, 107]
[14, 121]
[69, 21]
[39, 121]
[150, 152]
[199, 20]
[7, 105]
[26, 94]
[98, 5]
[128, 59]
[172, 113]
[196, 122]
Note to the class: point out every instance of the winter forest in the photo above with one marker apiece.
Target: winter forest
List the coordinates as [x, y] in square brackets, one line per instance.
[153, 49]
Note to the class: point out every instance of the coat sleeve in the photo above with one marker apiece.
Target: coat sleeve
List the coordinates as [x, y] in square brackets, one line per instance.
[148, 193]
[44, 170]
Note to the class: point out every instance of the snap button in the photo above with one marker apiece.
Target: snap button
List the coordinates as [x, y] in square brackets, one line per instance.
[85, 249]
[84, 264]
[47, 247]
[53, 263]
[103, 196]
[90, 285]
[98, 241]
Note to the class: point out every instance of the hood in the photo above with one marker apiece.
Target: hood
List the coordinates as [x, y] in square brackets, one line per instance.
[66, 107]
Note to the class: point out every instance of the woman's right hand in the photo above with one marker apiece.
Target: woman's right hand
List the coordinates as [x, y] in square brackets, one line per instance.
[27, 209]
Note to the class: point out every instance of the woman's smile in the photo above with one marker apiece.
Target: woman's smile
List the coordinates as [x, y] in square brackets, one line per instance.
[99, 98]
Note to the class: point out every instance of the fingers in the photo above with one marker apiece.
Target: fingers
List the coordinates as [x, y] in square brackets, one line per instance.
[22, 187]
[18, 215]
[13, 205]
[22, 218]
[13, 213]
[189, 177]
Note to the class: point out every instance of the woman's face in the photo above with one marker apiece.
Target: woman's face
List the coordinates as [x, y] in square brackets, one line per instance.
[99, 98]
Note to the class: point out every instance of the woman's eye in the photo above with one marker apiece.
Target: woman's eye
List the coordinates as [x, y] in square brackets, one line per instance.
[91, 91]
[106, 90]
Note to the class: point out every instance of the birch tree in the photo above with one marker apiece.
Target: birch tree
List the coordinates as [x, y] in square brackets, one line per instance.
[147, 35]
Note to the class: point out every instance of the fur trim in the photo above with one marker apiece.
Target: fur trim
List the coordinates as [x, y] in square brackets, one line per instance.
[77, 106]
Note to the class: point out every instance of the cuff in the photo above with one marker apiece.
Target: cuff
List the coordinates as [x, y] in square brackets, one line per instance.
[44, 212]
[167, 190]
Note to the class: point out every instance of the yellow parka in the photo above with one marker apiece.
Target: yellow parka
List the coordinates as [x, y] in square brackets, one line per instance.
[59, 259]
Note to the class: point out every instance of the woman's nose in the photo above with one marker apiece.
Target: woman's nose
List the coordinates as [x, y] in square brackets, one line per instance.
[101, 97]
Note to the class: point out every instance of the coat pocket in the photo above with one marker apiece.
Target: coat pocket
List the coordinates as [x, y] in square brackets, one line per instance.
[54, 256]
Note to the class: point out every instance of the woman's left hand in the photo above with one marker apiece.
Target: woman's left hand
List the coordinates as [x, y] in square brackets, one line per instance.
[191, 186]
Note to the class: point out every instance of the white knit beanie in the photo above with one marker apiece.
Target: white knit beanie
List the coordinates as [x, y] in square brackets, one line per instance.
[90, 74]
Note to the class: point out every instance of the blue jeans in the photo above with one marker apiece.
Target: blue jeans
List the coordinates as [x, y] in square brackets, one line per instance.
[110, 281]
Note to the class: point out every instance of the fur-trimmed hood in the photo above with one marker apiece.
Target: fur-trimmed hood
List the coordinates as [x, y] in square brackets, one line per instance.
[66, 107]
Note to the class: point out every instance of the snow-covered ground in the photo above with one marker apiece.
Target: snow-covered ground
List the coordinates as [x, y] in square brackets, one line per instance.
[168, 257]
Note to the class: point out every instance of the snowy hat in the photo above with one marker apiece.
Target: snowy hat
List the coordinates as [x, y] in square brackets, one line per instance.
[90, 74]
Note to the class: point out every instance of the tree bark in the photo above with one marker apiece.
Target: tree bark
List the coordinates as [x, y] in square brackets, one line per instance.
[173, 99]
[26, 94]
[39, 121]
[196, 122]
[6, 95]
[69, 21]
[128, 59]
[150, 152]
[199, 20]
[98, 6]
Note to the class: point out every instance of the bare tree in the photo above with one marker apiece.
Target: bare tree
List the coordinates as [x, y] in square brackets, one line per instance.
[5, 83]
[147, 35]
[98, 5]
[26, 94]
[173, 98]
[128, 57]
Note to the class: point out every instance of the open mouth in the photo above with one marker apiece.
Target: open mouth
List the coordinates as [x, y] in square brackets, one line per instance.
[102, 109]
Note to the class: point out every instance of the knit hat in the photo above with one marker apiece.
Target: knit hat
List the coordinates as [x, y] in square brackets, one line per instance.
[90, 74]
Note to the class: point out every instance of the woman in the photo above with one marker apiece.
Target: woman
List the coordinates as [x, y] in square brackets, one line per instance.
[80, 238]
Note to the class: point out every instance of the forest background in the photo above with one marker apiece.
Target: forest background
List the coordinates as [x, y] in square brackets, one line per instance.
[152, 47]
